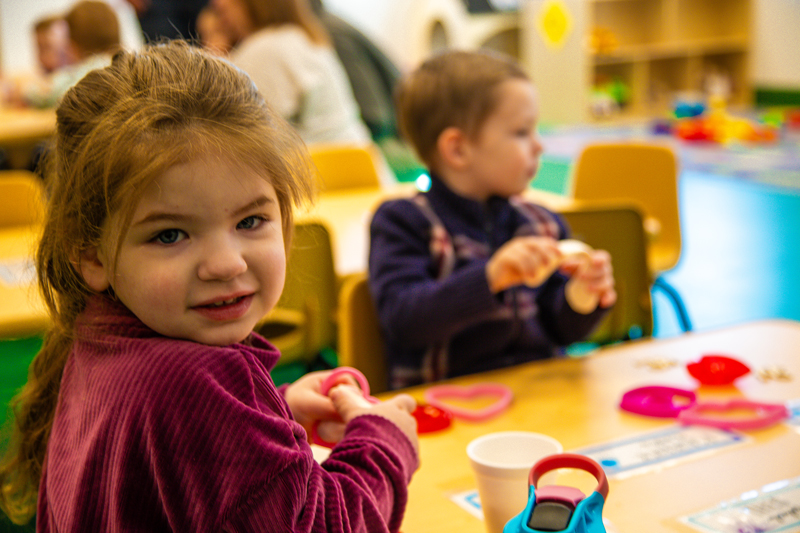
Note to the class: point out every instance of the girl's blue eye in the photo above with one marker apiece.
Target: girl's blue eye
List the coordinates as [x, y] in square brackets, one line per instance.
[170, 236]
[250, 222]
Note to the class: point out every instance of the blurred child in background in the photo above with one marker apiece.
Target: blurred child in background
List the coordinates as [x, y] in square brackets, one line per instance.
[52, 40]
[468, 277]
[93, 37]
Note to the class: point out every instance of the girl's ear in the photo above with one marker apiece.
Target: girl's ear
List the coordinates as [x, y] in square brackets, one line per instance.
[91, 266]
[452, 147]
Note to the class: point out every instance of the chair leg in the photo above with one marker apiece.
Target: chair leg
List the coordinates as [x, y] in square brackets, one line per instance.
[680, 309]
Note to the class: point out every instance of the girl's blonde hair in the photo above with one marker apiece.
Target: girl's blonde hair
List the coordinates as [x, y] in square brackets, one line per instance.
[452, 89]
[267, 13]
[118, 129]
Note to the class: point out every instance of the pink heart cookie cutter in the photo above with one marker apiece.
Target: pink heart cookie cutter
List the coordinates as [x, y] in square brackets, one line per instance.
[764, 414]
[434, 396]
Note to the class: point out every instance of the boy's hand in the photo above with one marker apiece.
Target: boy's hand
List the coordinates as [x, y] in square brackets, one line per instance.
[522, 260]
[592, 282]
[350, 403]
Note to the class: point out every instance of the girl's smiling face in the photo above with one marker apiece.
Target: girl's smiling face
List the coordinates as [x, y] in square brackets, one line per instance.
[204, 257]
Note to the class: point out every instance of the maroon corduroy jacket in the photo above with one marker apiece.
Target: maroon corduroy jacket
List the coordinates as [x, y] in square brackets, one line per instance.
[157, 434]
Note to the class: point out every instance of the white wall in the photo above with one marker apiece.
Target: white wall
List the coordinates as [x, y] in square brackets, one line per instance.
[776, 50]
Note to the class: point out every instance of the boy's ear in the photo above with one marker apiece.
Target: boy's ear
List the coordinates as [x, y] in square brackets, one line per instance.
[91, 267]
[452, 147]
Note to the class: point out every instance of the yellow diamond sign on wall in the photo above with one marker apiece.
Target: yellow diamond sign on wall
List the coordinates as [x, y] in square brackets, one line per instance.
[555, 23]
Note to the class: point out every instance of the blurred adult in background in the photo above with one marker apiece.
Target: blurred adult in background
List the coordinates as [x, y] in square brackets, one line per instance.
[285, 49]
[373, 77]
[52, 39]
[212, 34]
[168, 19]
[372, 74]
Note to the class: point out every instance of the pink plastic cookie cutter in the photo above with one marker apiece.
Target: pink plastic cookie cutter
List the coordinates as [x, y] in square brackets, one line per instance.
[763, 414]
[657, 400]
[335, 379]
[434, 396]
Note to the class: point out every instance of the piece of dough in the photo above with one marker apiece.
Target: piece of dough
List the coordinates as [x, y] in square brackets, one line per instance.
[573, 248]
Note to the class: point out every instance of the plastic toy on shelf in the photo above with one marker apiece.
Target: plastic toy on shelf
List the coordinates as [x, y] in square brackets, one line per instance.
[715, 124]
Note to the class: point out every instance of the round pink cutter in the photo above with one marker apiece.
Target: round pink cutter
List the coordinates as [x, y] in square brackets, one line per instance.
[657, 400]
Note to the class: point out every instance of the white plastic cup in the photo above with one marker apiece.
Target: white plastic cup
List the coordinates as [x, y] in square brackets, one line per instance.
[502, 462]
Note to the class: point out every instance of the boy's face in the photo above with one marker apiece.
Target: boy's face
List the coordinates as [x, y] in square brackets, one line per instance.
[503, 157]
[204, 257]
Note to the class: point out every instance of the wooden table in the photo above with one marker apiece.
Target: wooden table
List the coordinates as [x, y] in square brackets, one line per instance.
[22, 129]
[575, 401]
[22, 312]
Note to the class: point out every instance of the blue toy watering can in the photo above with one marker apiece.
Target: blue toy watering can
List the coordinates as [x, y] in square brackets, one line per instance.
[559, 508]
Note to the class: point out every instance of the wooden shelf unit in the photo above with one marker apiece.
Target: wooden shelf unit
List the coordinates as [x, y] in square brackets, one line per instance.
[662, 48]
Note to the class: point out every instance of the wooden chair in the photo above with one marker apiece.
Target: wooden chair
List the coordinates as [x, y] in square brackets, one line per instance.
[646, 174]
[360, 343]
[617, 228]
[302, 324]
[22, 199]
[345, 166]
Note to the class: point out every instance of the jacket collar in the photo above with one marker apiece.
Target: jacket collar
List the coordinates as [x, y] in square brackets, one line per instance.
[444, 200]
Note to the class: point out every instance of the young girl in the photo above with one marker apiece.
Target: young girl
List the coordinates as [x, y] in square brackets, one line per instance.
[150, 406]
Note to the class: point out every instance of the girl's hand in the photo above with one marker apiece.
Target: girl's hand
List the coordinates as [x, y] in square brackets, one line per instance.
[522, 260]
[592, 282]
[309, 405]
[350, 403]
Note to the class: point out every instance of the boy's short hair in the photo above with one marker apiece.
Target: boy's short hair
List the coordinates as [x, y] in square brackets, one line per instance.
[93, 27]
[452, 89]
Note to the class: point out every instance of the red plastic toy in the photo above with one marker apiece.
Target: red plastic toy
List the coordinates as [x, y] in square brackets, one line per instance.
[717, 370]
[431, 418]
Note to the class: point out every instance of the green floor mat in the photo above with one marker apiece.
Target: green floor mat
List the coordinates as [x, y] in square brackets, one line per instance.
[15, 357]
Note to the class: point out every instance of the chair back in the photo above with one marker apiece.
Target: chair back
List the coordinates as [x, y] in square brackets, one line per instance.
[345, 166]
[617, 228]
[360, 343]
[302, 323]
[22, 199]
[645, 173]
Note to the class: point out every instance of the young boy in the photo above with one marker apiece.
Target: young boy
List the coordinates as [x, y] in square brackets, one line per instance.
[464, 277]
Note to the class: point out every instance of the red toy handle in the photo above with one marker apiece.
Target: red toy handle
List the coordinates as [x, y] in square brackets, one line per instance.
[570, 460]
